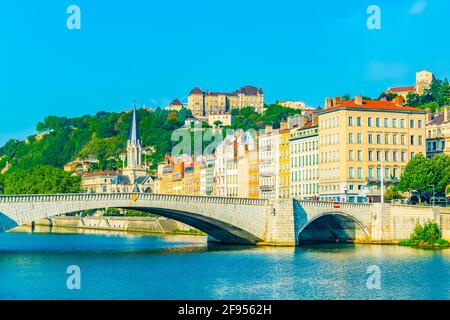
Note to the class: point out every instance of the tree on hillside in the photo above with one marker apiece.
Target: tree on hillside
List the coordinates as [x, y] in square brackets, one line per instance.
[2, 183]
[39, 180]
[389, 96]
[218, 123]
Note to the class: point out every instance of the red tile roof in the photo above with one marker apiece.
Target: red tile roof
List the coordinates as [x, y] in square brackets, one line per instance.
[101, 174]
[176, 102]
[247, 90]
[402, 89]
[373, 105]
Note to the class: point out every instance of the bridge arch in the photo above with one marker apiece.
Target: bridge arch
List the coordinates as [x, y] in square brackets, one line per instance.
[333, 227]
[236, 220]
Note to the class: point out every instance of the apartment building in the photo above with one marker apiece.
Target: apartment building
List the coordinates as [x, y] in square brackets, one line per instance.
[304, 161]
[204, 103]
[364, 141]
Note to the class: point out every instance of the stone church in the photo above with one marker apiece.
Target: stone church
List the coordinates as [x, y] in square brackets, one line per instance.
[134, 177]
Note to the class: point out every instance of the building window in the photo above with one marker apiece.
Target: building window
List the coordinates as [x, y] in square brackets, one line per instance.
[359, 155]
[386, 138]
[403, 156]
[394, 139]
[351, 173]
[350, 155]
[350, 121]
[411, 124]
[403, 139]
[358, 121]
[419, 140]
[386, 122]
[411, 140]
[412, 155]
[387, 172]
[369, 121]
[378, 172]
[370, 155]
[394, 123]
[359, 138]
[350, 138]
[386, 156]
[360, 173]
[395, 172]
[378, 122]
[378, 155]
[370, 172]
[419, 124]
[394, 156]
[378, 138]
[370, 138]
[402, 123]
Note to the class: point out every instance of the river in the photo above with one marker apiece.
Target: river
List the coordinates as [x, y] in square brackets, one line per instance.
[138, 266]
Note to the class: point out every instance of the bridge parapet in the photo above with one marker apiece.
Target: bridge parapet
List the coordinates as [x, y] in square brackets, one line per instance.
[128, 196]
[335, 205]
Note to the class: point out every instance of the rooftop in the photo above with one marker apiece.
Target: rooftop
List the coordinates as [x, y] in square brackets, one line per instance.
[378, 105]
[101, 174]
[401, 89]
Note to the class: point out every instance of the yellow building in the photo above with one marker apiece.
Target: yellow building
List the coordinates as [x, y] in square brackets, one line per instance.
[178, 178]
[253, 173]
[284, 168]
[224, 118]
[99, 182]
[204, 103]
[191, 180]
[363, 141]
[165, 175]
[423, 80]
[175, 105]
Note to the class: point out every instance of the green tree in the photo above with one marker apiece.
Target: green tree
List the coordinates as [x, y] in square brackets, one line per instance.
[218, 123]
[422, 174]
[41, 179]
[392, 193]
[2, 183]
[389, 96]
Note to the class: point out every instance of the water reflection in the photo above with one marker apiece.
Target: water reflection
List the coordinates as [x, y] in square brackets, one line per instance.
[118, 265]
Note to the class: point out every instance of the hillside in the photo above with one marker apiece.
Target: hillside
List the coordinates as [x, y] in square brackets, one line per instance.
[104, 135]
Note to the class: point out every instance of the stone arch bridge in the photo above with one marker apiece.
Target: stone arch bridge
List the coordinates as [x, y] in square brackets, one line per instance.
[238, 220]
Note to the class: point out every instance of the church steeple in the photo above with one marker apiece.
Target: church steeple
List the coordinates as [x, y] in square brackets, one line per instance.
[134, 145]
[134, 136]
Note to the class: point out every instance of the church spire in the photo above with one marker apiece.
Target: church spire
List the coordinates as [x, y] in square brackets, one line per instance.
[134, 137]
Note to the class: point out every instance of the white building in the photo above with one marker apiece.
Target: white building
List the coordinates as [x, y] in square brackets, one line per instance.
[207, 177]
[269, 163]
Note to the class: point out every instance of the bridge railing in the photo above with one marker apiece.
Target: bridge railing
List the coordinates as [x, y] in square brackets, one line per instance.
[129, 196]
[336, 205]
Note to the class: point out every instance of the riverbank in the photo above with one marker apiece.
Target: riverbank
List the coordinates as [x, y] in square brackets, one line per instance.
[153, 225]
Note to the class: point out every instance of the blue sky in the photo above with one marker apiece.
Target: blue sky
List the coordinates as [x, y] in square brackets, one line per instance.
[154, 51]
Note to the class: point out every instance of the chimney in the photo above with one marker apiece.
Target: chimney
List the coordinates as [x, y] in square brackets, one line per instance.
[336, 101]
[268, 129]
[283, 125]
[315, 119]
[328, 103]
[358, 100]
[446, 113]
[429, 115]
[399, 101]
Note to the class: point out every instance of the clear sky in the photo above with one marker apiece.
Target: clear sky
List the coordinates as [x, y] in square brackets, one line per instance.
[154, 51]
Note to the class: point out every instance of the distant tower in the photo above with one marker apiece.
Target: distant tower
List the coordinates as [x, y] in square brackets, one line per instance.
[134, 166]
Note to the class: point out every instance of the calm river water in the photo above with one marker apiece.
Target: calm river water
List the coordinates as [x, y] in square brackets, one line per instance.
[130, 266]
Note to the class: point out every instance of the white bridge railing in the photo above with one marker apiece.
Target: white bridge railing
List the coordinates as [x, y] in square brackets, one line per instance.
[129, 196]
[335, 205]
